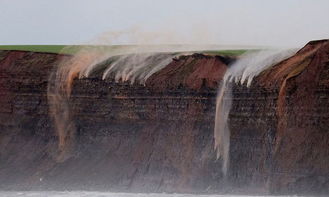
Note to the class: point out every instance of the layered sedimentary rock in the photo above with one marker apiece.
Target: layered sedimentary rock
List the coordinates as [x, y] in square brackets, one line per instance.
[159, 136]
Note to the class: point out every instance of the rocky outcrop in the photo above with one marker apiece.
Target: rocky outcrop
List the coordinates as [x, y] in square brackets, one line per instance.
[158, 137]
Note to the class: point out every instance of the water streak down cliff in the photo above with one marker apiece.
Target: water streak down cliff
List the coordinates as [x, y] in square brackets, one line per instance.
[243, 70]
[159, 136]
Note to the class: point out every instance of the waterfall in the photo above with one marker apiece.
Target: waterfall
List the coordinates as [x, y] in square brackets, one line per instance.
[242, 72]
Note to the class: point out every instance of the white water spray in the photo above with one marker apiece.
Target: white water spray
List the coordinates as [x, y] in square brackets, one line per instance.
[242, 71]
[137, 66]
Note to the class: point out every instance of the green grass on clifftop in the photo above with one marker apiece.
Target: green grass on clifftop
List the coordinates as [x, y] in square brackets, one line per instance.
[63, 49]
[66, 49]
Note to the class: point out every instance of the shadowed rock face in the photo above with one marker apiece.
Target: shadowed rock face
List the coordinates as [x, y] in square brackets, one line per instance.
[159, 137]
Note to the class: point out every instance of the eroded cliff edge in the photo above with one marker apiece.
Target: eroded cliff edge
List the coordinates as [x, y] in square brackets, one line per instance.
[159, 136]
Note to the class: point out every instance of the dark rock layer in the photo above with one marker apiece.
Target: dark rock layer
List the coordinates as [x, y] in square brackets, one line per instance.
[159, 137]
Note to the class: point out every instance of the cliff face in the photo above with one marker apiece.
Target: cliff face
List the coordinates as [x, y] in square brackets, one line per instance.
[128, 138]
[159, 136]
[301, 151]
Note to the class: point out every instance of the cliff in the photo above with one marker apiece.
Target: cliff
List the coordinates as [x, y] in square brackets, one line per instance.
[301, 153]
[158, 137]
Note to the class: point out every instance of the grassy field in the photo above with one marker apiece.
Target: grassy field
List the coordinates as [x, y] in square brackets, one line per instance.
[66, 49]
[235, 52]
[63, 49]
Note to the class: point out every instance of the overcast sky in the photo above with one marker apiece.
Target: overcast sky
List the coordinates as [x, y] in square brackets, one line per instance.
[227, 22]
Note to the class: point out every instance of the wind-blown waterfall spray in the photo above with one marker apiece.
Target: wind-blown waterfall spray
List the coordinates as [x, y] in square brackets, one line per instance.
[138, 67]
[126, 67]
[124, 63]
[242, 71]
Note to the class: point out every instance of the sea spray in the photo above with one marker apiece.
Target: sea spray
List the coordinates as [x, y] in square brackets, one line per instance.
[242, 72]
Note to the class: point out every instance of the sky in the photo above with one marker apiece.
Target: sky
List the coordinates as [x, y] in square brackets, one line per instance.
[222, 22]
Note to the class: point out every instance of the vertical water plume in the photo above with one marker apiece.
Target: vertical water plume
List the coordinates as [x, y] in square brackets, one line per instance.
[222, 132]
[242, 72]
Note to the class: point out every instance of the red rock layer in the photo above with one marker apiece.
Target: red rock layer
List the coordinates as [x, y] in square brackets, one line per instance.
[195, 72]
